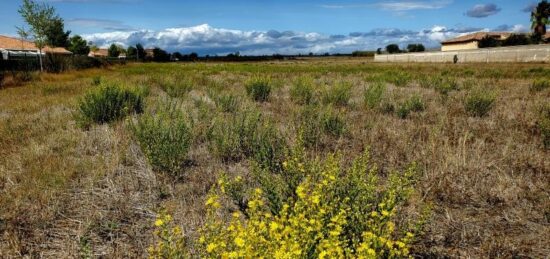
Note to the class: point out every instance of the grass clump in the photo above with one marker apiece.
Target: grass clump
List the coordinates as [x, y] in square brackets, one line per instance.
[227, 103]
[247, 135]
[302, 90]
[175, 85]
[413, 104]
[539, 85]
[333, 123]
[398, 78]
[333, 211]
[259, 88]
[109, 103]
[96, 80]
[479, 102]
[165, 138]
[339, 94]
[373, 95]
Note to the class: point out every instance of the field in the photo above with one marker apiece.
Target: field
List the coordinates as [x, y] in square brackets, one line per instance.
[478, 134]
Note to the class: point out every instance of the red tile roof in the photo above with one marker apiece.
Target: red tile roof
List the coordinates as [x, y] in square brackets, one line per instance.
[476, 37]
[18, 44]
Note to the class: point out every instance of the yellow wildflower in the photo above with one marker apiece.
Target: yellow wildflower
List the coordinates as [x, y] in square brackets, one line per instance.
[159, 223]
[239, 242]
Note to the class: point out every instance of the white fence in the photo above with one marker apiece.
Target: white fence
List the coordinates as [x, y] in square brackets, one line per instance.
[530, 53]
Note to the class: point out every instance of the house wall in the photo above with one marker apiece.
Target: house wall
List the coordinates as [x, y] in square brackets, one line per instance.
[531, 53]
[460, 46]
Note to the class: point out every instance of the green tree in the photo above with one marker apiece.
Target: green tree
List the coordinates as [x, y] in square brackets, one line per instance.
[56, 36]
[40, 18]
[113, 51]
[78, 46]
[416, 48]
[140, 51]
[131, 52]
[159, 55]
[393, 48]
[516, 39]
[488, 42]
[539, 19]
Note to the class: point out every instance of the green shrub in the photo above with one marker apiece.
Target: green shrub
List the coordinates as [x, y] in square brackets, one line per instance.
[544, 125]
[373, 95]
[109, 103]
[165, 139]
[413, 104]
[338, 95]
[333, 123]
[540, 85]
[247, 135]
[227, 103]
[479, 102]
[175, 85]
[302, 90]
[259, 88]
[309, 125]
[398, 78]
[96, 80]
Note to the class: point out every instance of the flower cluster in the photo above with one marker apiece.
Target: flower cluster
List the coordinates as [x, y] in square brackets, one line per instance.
[171, 242]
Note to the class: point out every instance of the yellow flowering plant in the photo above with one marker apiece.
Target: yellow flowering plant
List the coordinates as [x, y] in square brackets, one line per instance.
[332, 212]
[170, 240]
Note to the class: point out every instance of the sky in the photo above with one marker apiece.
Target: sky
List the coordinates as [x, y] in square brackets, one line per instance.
[258, 27]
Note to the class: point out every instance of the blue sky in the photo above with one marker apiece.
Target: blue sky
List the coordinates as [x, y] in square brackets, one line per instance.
[277, 26]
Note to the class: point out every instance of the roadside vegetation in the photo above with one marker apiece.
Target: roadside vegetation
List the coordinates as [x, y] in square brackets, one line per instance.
[295, 159]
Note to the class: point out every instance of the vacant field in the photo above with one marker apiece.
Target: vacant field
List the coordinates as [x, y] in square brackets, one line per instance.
[478, 134]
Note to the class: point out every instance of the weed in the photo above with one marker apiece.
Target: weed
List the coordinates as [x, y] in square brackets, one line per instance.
[302, 90]
[373, 95]
[333, 123]
[228, 103]
[259, 88]
[479, 102]
[539, 85]
[109, 103]
[413, 104]
[165, 138]
[96, 80]
[339, 94]
[176, 85]
[399, 78]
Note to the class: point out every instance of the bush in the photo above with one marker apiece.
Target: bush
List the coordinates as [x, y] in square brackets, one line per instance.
[333, 124]
[544, 125]
[302, 90]
[227, 103]
[338, 95]
[399, 78]
[373, 95]
[175, 85]
[540, 85]
[334, 212]
[109, 103]
[413, 104]
[247, 135]
[164, 138]
[309, 125]
[479, 102]
[259, 88]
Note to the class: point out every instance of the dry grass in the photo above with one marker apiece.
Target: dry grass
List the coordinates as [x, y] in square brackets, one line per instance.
[69, 192]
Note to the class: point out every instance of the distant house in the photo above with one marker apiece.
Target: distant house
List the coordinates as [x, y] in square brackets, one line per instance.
[99, 53]
[471, 41]
[11, 48]
[149, 53]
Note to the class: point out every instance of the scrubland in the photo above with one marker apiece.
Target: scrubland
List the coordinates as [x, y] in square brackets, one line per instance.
[299, 158]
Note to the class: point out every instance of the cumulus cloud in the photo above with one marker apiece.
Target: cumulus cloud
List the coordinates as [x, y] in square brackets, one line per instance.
[483, 10]
[205, 39]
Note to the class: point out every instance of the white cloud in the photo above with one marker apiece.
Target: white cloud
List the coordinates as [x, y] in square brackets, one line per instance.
[206, 39]
[396, 6]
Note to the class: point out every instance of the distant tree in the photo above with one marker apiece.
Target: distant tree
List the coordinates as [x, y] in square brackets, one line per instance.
[160, 55]
[78, 46]
[140, 51]
[131, 52]
[39, 17]
[539, 19]
[194, 56]
[516, 39]
[56, 36]
[177, 56]
[488, 42]
[113, 51]
[310, 54]
[379, 51]
[393, 48]
[416, 48]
